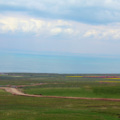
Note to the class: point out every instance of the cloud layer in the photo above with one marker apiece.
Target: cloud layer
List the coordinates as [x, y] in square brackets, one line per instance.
[86, 11]
[44, 27]
[71, 26]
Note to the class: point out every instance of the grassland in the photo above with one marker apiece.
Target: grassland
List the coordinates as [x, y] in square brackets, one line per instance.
[78, 87]
[29, 108]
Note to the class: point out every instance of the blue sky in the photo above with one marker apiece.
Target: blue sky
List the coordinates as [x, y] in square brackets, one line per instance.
[60, 27]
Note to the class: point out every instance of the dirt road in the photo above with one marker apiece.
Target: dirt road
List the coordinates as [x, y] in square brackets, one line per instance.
[16, 91]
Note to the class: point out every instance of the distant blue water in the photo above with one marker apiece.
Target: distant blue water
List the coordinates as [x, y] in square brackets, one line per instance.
[14, 62]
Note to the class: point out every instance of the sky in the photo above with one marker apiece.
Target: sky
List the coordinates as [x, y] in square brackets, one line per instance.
[60, 27]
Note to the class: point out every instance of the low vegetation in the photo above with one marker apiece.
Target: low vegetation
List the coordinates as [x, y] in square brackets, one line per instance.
[30, 108]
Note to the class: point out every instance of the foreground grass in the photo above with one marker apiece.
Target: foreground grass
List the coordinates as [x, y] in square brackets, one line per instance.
[29, 108]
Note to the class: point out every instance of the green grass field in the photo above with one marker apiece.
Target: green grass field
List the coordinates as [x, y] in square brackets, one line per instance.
[109, 92]
[77, 87]
[31, 108]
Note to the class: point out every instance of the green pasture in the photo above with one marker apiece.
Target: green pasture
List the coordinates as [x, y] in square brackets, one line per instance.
[29, 108]
[76, 91]
[3, 93]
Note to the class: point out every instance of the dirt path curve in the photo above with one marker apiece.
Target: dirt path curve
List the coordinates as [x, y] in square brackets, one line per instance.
[15, 91]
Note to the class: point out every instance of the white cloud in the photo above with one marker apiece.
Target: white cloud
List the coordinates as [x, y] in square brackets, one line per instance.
[37, 26]
[69, 31]
[62, 28]
[104, 32]
[56, 31]
[91, 33]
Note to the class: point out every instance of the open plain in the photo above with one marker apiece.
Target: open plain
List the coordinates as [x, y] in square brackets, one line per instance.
[56, 96]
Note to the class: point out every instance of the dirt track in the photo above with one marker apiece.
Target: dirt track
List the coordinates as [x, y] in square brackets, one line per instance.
[15, 91]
